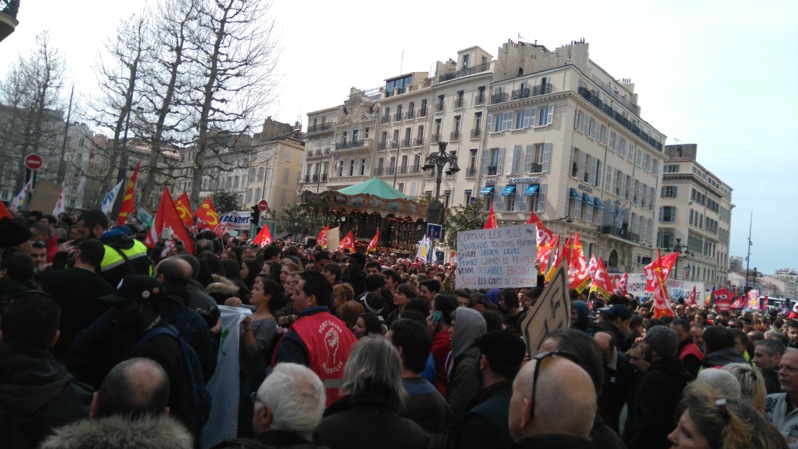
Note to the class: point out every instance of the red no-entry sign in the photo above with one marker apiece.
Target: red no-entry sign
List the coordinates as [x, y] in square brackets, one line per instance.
[263, 205]
[33, 161]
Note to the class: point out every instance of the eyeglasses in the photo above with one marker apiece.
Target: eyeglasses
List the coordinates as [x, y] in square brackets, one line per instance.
[254, 397]
[538, 363]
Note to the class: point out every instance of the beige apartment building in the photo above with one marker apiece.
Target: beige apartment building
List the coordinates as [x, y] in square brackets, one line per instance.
[695, 217]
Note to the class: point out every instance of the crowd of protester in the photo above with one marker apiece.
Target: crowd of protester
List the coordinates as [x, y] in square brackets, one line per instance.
[106, 343]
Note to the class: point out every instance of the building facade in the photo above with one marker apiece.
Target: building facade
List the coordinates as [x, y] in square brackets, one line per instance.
[695, 216]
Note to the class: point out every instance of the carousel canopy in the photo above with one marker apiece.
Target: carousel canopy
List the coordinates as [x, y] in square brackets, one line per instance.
[376, 187]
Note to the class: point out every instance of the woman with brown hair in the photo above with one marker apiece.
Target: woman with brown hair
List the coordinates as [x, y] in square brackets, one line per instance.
[341, 294]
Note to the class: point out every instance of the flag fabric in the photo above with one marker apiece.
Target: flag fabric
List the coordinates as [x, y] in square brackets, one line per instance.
[764, 305]
[543, 234]
[167, 217]
[491, 223]
[655, 278]
[602, 284]
[59, 204]
[184, 209]
[794, 312]
[264, 237]
[348, 242]
[19, 200]
[545, 252]
[592, 266]
[423, 249]
[737, 302]
[722, 299]
[129, 201]
[322, 238]
[374, 242]
[578, 276]
[623, 282]
[556, 259]
[4, 212]
[208, 218]
[692, 298]
[110, 198]
[753, 300]
[710, 301]
[333, 238]
[619, 217]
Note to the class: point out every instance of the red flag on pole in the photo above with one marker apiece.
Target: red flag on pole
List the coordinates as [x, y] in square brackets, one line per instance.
[208, 218]
[602, 284]
[264, 237]
[545, 251]
[374, 242]
[184, 209]
[578, 276]
[348, 242]
[167, 217]
[491, 222]
[622, 283]
[656, 274]
[128, 201]
[322, 238]
[692, 296]
[544, 234]
[3, 211]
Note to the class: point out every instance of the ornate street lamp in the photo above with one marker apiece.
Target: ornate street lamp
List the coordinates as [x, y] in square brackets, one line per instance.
[437, 161]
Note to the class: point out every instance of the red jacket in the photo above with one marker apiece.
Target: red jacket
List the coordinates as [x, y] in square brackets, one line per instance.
[441, 347]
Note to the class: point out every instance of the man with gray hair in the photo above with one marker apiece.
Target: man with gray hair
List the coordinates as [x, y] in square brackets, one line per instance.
[660, 391]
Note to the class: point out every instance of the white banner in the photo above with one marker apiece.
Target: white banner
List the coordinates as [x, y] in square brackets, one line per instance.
[497, 258]
[676, 288]
[110, 198]
[236, 220]
[223, 386]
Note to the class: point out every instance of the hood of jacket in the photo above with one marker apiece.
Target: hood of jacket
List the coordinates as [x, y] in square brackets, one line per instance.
[221, 287]
[583, 315]
[723, 357]
[150, 432]
[29, 377]
[117, 239]
[469, 326]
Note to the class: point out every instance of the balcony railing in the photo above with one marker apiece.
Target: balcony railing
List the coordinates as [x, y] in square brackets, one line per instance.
[394, 145]
[418, 141]
[439, 107]
[378, 171]
[436, 137]
[385, 119]
[492, 169]
[422, 112]
[541, 89]
[520, 93]
[458, 103]
[410, 114]
[382, 146]
[593, 98]
[471, 172]
[326, 151]
[351, 144]
[403, 170]
[324, 177]
[320, 128]
[480, 99]
[464, 72]
[405, 143]
[501, 97]
[619, 232]
[416, 168]
[430, 173]
[536, 168]
[455, 135]
[390, 170]
[476, 133]
[397, 117]
[307, 178]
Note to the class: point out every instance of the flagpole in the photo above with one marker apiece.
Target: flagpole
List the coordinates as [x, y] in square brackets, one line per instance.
[748, 257]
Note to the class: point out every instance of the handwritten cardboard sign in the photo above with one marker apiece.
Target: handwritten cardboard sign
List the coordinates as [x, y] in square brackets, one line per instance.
[497, 258]
[551, 311]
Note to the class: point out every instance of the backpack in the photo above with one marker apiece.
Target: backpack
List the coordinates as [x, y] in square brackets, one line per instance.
[193, 388]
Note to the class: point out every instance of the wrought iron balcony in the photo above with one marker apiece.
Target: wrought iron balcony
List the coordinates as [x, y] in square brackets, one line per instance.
[350, 144]
[520, 93]
[378, 171]
[619, 232]
[320, 128]
[416, 168]
[385, 119]
[394, 145]
[324, 177]
[390, 170]
[430, 173]
[403, 170]
[471, 172]
[307, 178]
[541, 89]
[458, 103]
[439, 107]
[501, 97]
[326, 151]
[593, 98]
[480, 99]
[476, 133]
[463, 72]
[315, 178]
[405, 143]
[418, 141]
[536, 168]
[436, 137]
[455, 135]
[492, 169]
[422, 112]
[410, 114]
[397, 116]
[382, 146]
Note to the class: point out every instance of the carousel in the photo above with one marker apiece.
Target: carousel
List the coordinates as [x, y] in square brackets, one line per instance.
[368, 207]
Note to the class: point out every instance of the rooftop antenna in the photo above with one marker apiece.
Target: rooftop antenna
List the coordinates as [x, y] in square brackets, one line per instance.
[402, 61]
[520, 37]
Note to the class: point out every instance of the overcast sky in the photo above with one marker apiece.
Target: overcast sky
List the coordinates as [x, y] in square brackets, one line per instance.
[719, 73]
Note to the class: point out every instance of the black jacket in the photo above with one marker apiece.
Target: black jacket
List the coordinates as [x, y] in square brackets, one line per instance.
[722, 357]
[366, 422]
[272, 439]
[655, 406]
[191, 327]
[553, 442]
[37, 395]
[487, 424]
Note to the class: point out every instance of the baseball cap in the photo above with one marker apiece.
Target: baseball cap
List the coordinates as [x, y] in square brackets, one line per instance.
[136, 287]
[618, 310]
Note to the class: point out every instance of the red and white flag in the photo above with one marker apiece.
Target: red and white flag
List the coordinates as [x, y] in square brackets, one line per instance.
[184, 209]
[622, 283]
[578, 276]
[545, 252]
[19, 200]
[655, 277]
[602, 284]
[592, 266]
[348, 242]
[321, 240]
[167, 217]
[374, 242]
[491, 223]
[692, 297]
[207, 218]
[264, 237]
[543, 234]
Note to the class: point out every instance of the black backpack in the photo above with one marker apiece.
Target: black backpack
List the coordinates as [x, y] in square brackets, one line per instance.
[193, 388]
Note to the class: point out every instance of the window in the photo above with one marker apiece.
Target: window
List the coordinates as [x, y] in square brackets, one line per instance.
[668, 192]
[514, 163]
[538, 200]
[283, 197]
[285, 176]
[352, 167]
[288, 155]
[492, 161]
[608, 179]
[447, 195]
[670, 168]
[546, 115]
[577, 119]
[537, 158]
[472, 161]
[362, 167]
[667, 214]
[467, 197]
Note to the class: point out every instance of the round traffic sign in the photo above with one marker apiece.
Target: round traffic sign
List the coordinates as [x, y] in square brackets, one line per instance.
[263, 205]
[33, 161]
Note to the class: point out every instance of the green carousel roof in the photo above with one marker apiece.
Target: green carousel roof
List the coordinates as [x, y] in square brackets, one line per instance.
[376, 187]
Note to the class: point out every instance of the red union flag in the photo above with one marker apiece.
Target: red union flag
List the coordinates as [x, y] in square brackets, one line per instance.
[168, 217]
[184, 209]
[491, 223]
[264, 237]
[592, 266]
[128, 201]
[348, 242]
[622, 283]
[544, 234]
[321, 240]
[208, 218]
[602, 284]
[578, 276]
[374, 242]
[692, 296]
[545, 252]
[656, 273]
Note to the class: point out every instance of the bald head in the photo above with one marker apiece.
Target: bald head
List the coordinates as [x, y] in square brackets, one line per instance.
[133, 388]
[565, 400]
[174, 270]
[606, 343]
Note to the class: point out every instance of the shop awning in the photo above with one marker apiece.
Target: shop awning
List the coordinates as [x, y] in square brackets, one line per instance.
[508, 190]
[598, 203]
[531, 190]
[487, 190]
[575, 195]
[587, 199]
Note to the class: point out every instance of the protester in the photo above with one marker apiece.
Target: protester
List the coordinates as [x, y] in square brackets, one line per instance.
[767, 355]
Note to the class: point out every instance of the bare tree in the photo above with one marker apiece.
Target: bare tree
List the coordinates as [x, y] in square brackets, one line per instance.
[233, 57]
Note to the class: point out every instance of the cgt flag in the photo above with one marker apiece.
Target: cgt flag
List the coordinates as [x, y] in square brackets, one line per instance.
[208, 218]
[167, 217]
[491, 221]
[322, 238]
[264, 237]
[373, 243]
[128, 201]
[348, 242]
[602, 284]
[184, 209]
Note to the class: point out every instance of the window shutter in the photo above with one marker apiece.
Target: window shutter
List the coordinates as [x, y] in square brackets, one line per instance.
[508, 121]
[546, 157]
[593, 173]
[529, 117]
[516, 159]
[612, 141]
[528, 161]
[623, 187]
[577, 118]
[520, 199]
[512, 161]
[483, 167]
[582, 164]
[498, 199]
[608, 179]
[550, 116]
[500, 162]
[541, 198]
[597, 181]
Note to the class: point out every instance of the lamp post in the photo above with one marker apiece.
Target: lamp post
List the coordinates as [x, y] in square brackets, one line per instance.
[437, 161]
